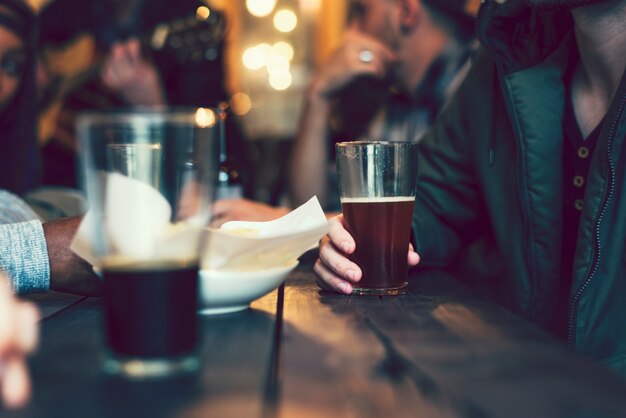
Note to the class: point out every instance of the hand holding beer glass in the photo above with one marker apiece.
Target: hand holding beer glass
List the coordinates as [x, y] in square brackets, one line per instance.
[377, 183]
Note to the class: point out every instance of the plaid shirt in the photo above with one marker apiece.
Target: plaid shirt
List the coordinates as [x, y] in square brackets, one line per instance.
[403, 118]
[408, 118]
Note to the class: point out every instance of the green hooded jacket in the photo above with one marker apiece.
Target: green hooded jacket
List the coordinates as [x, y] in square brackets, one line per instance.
[490, 180]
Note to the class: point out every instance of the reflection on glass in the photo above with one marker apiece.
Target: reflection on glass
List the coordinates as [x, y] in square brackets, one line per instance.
[137, 161]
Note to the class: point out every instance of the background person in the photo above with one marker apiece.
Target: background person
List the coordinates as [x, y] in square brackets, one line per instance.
[20, 168]
[418, 48]
[36, 257]
[19, 161]
[120, 69]
[398, 65]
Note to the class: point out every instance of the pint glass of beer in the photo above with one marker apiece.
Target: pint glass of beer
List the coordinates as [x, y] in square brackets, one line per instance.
[377, 183]
[150, 176]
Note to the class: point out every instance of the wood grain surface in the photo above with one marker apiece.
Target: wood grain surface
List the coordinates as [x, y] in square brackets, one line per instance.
[437, 351]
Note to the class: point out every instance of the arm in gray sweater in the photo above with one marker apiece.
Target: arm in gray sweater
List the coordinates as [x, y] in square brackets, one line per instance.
[23, 250]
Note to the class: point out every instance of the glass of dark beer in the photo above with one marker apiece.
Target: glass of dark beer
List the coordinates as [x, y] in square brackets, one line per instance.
[377, 183]
[150, 176]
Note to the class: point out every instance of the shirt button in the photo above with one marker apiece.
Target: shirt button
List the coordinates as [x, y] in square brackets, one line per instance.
[583, 152]
[579, 181]
[578, 204]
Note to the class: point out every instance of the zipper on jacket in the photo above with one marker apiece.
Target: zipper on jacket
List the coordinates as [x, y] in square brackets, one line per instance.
[571, 333]
[492, 148]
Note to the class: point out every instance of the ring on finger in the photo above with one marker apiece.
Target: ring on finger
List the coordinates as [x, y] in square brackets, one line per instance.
[366, 56]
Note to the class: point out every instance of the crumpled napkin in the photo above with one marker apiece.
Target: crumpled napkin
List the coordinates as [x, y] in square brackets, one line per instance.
[138, 230]
[246, 246]
[137, 227]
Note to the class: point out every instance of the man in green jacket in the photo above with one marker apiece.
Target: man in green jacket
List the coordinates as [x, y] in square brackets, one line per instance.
[528, 164]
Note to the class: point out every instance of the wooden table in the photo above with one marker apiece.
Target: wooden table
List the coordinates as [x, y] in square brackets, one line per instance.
[437, 351]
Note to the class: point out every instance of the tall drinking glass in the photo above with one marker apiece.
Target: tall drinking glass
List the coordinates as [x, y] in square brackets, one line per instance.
[149, 177]
[377, 189]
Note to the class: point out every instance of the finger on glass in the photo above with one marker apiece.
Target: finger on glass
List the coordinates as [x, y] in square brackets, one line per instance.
[338, 263]
[328, 280]
[339, 236]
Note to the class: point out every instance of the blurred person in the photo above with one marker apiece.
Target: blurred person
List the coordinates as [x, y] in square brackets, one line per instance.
[418, 48]
[530, 159]
[25, 253]
[19, 162]
[20, 165]
[18, 337]
[123, 69]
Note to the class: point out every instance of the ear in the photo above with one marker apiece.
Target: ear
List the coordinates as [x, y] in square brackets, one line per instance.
[410, 15]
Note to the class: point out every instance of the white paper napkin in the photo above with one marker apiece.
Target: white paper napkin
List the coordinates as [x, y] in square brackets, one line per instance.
[260, 245]
[137, 228]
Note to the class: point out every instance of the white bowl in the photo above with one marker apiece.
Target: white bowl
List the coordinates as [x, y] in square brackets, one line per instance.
[232, 291]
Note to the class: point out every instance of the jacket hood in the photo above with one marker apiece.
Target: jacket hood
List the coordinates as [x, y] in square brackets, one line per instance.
[521, 36]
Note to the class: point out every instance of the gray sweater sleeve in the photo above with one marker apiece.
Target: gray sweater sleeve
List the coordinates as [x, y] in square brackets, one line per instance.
[23, 250]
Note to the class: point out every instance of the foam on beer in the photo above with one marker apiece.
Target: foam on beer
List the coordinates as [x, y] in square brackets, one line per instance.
[378, 199]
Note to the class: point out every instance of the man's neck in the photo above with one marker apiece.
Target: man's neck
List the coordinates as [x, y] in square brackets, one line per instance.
[600, 37]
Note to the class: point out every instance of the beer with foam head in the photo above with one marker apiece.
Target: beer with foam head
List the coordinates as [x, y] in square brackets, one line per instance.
[377, 181]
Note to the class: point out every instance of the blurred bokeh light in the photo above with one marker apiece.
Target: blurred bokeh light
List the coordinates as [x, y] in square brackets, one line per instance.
[283, 49]
[203, 13]
[205, 118]
[285, 20]
[240, 103]
[280, 80]
[310, 6]
[277, 63]
[256, 57]
[260, 8]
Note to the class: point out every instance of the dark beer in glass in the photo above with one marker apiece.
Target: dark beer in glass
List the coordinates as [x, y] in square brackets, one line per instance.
[150, 313]
[377, 188]
[149, 175]
[381, 228]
